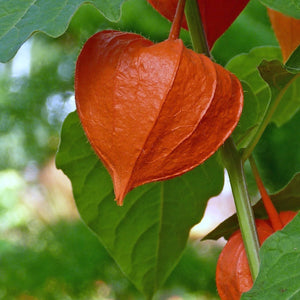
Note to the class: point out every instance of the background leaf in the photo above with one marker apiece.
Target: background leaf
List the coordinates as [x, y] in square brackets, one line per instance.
[20, 18]
[290, 8]
[147, 235]
[287, 199]
[293, 63]
[277, 154]
[279, 274]
[285, 88]
[258, 93]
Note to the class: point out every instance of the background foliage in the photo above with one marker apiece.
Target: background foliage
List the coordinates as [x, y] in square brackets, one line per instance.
[46, 257]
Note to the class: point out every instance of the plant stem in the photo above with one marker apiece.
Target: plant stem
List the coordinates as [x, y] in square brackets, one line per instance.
[176, 24]
[234, 166]
[268, 204]
[197, 33]
[231, 157]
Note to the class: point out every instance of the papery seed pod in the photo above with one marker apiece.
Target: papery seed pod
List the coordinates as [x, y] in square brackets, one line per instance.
[233, 275]
[287, 31]
[216, 15]
[152, 111]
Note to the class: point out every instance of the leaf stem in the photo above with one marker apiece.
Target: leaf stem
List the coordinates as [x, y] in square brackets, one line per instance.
[268, 204]
[267, 118]
[234, 166]
[176, 24]
[197, 33]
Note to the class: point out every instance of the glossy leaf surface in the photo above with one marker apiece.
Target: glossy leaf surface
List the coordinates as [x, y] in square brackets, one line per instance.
[152, 111]
[24, 17]
[279, 275]
[146, 236]
[216, 15]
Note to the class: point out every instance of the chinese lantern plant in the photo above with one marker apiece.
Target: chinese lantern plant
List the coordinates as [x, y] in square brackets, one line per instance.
[153, 112]
[144, 111]
[155, 127]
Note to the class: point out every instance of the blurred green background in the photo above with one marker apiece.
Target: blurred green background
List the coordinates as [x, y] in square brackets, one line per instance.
[46, 252]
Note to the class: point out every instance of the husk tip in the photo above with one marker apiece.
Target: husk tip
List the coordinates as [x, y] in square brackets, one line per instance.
[119, 201]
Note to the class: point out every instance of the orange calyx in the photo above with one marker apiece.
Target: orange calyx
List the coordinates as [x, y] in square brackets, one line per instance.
[152, 111]
[287, 31]
[233, 275]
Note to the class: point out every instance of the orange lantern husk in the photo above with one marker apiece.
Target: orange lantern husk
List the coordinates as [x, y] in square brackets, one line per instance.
[287, 31]
[152, 111]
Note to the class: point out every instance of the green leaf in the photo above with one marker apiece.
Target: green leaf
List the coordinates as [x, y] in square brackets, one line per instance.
[290, 8]
[147, 235]
[277, 154]
[285, 88]
[279, 274]
[244, 66]
[19, 19]
[293, 63]
[277, 92]
[287, 199]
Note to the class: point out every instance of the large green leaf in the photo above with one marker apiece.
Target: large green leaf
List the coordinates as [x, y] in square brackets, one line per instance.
[147, 235]
[290, 7]
[258, 93]
[287, 199]
[279, 274]
[21, 18]
[285, 89]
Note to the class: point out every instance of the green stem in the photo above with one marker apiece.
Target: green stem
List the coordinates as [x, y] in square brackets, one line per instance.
[267, 118]
[231, 157]
[234, 166]
[197, 33]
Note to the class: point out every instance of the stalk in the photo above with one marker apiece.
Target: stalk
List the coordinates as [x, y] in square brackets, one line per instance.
[231, 157]
[234, 166]
[268, 204]
[195, 25]
[176, 24]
